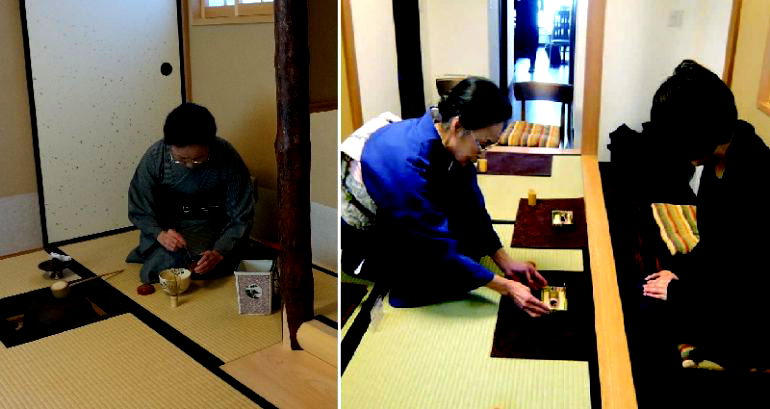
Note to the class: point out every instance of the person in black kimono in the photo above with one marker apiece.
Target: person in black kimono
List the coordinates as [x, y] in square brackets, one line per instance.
[716, 295]
[191, 198]
[525, 33]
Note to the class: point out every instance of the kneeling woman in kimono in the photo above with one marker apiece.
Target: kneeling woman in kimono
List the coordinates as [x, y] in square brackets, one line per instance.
[431, 225]
[191, 198]
[716, 294]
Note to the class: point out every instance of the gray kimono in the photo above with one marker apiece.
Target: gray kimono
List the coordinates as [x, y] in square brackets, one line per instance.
[210, 205]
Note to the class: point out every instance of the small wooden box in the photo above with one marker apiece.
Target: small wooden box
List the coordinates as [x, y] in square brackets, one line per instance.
[554, 297]
[254, 286]
[562, 218]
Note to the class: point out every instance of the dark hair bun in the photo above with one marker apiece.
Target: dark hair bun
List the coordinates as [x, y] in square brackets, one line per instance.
[477, 101]
[189, 124]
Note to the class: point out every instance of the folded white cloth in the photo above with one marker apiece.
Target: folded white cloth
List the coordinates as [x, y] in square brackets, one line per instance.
[354, 144]
[60, 257]
[356, 207]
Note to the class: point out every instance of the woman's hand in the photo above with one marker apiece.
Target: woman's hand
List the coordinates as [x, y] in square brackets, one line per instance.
[520, 294]
[209, 260]
[657, 284]
[171, 240]
[524, 271]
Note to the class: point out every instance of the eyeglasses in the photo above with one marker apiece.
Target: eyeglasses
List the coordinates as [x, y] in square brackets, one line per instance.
[187, 162]
[484, 142]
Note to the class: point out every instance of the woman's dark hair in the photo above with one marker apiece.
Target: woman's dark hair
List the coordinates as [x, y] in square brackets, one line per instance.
[189, 124]
[694, 110]
[477, 101]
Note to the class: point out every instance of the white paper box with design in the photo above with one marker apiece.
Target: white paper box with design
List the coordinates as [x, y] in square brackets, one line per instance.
[254, 284]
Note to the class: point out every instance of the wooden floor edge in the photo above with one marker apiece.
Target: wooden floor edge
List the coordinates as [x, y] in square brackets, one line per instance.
[282, 376]
[617, 385]
[534, 150]
[20, 253]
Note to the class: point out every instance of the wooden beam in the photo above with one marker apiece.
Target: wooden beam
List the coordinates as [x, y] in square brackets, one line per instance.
[20, 253]
[349, 54]
[592, 93]
[186, 17]
[323, 106]
[732, 42]
[617, 383]
[292, 151]
[763, 94]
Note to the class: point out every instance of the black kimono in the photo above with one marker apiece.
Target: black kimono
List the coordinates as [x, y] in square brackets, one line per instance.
[720, 301]
[210, 205]
[525, 38]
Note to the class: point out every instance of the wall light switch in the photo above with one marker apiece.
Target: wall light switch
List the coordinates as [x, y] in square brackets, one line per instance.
[676, 18]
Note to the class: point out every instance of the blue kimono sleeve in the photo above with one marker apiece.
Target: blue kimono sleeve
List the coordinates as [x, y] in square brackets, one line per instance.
[418, 229]
[489, 242]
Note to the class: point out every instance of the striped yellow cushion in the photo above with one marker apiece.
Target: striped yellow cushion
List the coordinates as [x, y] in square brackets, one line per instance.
[521, 133]
[506, 133]
[678, 226]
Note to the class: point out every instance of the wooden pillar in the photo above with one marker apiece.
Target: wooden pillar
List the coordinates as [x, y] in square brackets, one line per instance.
[292, 151]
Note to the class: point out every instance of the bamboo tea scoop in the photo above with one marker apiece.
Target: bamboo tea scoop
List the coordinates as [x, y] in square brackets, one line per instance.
[61, 288]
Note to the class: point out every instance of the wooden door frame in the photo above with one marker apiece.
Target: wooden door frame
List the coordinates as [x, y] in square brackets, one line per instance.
[502, 30]
[732, 41]
[186, 18]
[592, 88]
[593, 72]
[351, 72]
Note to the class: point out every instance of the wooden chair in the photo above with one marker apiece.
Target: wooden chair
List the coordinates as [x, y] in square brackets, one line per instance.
[558, 47]
[445, 84]
[544, 91]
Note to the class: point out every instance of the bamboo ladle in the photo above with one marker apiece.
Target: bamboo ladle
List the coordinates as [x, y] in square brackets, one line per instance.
[61, 289]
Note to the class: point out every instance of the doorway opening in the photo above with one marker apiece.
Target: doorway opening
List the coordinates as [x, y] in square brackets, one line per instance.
[539, 39]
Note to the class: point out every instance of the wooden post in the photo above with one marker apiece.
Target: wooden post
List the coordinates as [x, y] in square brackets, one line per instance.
[292, 151]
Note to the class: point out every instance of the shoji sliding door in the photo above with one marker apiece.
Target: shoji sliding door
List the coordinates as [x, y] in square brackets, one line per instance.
[103, 76]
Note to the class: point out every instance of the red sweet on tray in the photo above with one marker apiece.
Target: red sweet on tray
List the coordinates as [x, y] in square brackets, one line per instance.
[145, 289]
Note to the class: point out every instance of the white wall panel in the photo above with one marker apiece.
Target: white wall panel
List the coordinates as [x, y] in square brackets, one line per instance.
[375, 47]
[19, 223]
[644, 40]
[456, 35]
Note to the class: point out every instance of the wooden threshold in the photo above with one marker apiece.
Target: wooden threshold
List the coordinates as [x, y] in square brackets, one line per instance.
[541, 151]
[286, 378]
[20, 253]
[617, 385]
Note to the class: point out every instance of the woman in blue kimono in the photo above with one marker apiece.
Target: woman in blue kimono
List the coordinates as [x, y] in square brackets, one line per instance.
[431, 223]
[191, 198]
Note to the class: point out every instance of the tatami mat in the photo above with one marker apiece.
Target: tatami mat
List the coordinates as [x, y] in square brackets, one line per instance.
[116, 363]
[20, 274]
[355, 313]
[207, 313]
[438, 357]
[545, 259]
[325, 295]
[502, 193]
[345, 278]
